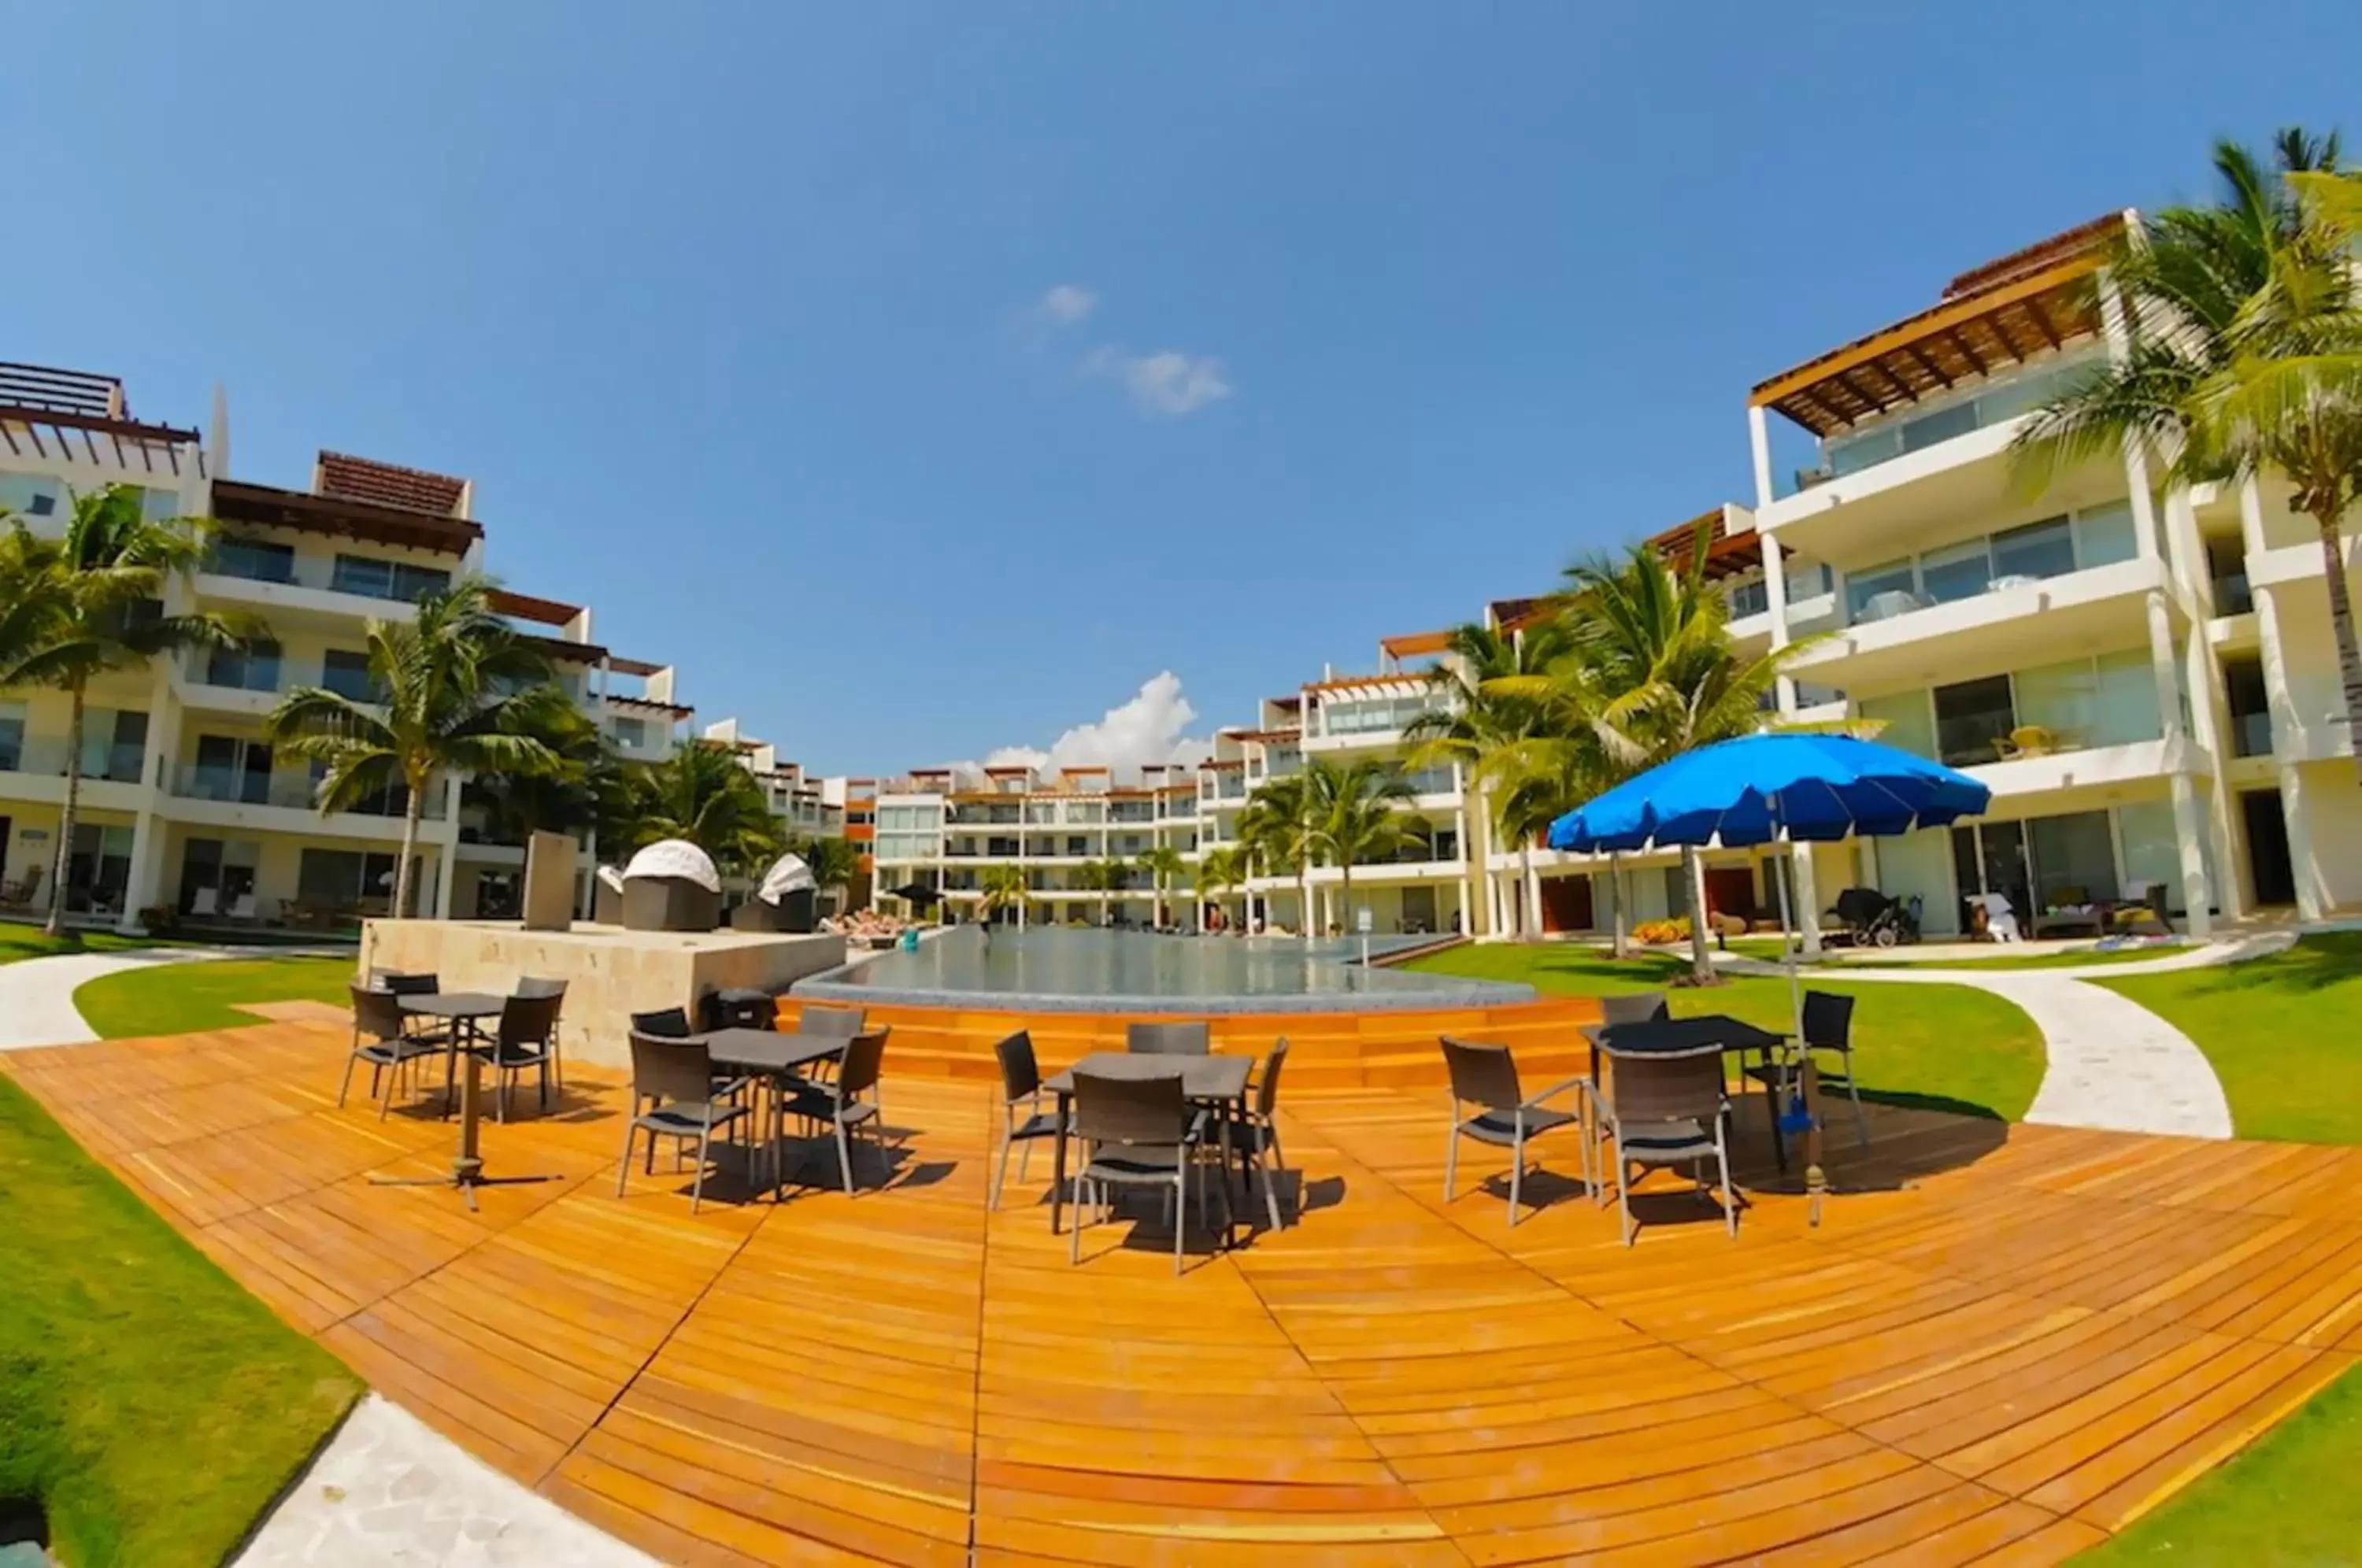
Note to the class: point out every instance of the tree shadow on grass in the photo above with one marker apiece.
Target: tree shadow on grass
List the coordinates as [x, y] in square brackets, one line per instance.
[2317, 963]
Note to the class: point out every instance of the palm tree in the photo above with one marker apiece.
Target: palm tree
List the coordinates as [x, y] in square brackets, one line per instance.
[1004, 888]
[2241, 354]
[834, 861]
[99, 611]
[578, 794]
[1100, 876]
[701, 794]
[1355, 815]
[1476, 723]
[1164, 864]
[1276, 830]
[1220, 871]
[1654, 675]
[454, 690]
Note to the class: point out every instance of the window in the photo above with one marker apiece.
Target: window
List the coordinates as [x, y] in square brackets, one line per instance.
[377, 579]
[1806, 580]
[29, 495]
[2152, 847]
[1969, 716]
[114, 745]
[1960, 571]
[345, 880]
[1941, 425]
[2105, 535]
[11, 736]
[1863, 587]
[253, 668]
[1910, 726]
[1750, 599]
[346, 673]
[257, 561]
[2036, 550]
[161, 505]
[632, 733]
[2111, 700]
[2074, 858]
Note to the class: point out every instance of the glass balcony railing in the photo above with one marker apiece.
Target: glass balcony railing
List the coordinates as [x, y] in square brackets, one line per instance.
[2233, 596]
[2251, 735]
[1997, 405]
[251, 787]
[45, 757]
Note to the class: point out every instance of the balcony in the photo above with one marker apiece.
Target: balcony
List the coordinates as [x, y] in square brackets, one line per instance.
[34, 769]
[2016, 620]
[219, 784]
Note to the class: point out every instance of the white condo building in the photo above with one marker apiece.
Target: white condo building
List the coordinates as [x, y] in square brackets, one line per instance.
[183, 806]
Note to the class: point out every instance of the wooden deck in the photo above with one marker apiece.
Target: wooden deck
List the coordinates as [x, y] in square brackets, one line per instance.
[2005, 1349]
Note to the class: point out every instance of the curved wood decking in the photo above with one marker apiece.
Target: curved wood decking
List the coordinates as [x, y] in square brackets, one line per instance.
[2018, 1343]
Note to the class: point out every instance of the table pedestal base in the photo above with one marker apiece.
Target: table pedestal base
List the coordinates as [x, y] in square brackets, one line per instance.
[468, 1165]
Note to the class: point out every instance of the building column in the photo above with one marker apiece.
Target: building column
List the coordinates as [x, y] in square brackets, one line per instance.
[146, 871]
[2294, 811]
[2210, 722]
[1533, 880]
[1805, 897]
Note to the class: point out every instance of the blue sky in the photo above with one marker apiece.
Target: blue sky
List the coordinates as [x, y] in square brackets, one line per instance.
[923, 380]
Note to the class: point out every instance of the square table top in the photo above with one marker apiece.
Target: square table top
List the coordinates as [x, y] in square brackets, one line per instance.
[769, 1050]
[453, 1004]
[1680, 1036]
[1202, 1077]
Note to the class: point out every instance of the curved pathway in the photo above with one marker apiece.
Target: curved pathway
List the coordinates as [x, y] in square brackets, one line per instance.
[386, 1491]
[2112, 1064]
[37, 994]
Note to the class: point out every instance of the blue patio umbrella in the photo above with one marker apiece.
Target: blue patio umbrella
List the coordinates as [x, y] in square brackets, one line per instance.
[1767, 789]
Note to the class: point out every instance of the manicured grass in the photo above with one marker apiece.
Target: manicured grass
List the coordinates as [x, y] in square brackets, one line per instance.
[2289, 1500]
[29, 941]
[2281, 1031]
[1948, 1045]
[2085, 958]
[150, 1405]
[177, 998]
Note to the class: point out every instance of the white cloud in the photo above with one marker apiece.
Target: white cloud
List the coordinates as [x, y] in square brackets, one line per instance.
[1066, 304]
[1148, 727]
[1166, 384]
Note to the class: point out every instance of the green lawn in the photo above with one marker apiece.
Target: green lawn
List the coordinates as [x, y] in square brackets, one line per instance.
[29, 941]
[2289, 1500]
[177, 998]
[151, 1405]
[2029, 961]
[2281, 1031]
[1948, 1045]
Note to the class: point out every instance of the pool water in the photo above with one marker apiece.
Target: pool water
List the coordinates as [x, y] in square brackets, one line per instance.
[1140, 971]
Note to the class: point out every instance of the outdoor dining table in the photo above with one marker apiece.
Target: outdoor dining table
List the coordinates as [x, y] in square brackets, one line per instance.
[463, 1011]
[1217, 1081]
[1712, 1031]
[771, 1055]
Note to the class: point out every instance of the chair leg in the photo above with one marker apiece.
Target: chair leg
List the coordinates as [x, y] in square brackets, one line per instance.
[386, 1099]
[1517, 1172]
[1270, 1188]
[1075, 1225]
[1000, 1166]
[844, 1160]
[623, 1170]
[344, 1087]
[1181, 1206]
[1451, 1155]
[1722, 1158]
[1861, 1122]
[1623, 1193]
[697, 1182]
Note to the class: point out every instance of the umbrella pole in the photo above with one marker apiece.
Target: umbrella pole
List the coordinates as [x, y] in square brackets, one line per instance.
[1808, 1080]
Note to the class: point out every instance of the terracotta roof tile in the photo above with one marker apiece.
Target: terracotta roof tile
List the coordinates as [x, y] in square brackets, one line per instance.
[388, 484]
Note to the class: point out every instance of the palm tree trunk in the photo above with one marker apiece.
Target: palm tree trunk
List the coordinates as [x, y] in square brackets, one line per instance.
[1623, 947]
[1345, 895]
[2341, 625]
[55, 925]
[409, 846]
[1701, 966]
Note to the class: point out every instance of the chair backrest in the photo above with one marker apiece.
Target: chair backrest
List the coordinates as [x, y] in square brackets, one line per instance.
[531, 985]
[1482, 1074]
[864, 1054]
[665, 1024]
[528, 1021]
[1021, 1074]
[1640, 1007]
[666, 1067]
[1828, 1020]
[2154, 896]
[376, 1012]
[394, 983]
[1130, 1110]
[819, 1019]
[1666, 1089]
[1267, 1091]
[1192, 1038]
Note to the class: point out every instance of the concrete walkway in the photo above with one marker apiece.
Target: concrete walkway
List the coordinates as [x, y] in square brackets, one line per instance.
[2112, 1064]
[389, 1492]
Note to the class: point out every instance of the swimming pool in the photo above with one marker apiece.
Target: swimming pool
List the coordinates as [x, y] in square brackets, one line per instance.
[1130, 971]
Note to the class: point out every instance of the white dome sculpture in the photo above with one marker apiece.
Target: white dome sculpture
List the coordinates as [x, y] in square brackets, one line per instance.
[676, 857]
[787, 875]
